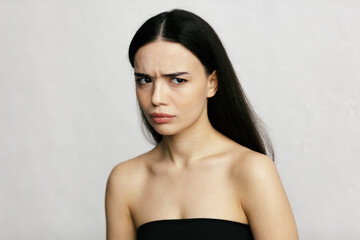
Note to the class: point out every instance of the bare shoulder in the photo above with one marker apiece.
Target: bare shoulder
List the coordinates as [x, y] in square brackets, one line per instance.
[130, 167]
[250, 164]
[263, 197]
[120, 192]
[125, 175]
[253, 168]
[124, 169]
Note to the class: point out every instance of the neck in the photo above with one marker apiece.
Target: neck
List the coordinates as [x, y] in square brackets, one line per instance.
[190, 145]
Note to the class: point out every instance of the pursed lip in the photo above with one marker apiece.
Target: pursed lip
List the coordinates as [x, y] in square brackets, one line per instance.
[155, 115]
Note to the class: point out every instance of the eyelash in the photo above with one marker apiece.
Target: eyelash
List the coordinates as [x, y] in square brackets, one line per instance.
[146, 78]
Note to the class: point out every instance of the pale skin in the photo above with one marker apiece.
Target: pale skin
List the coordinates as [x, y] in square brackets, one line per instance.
[195, 171]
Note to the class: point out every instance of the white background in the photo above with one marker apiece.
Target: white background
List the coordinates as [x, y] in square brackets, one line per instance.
[68, 106]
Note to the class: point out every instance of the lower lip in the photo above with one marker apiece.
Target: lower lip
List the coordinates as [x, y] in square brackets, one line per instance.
[162, 119]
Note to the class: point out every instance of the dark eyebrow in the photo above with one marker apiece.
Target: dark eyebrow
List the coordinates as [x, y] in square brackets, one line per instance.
[141, 74]
[164, 75]
[175, 74]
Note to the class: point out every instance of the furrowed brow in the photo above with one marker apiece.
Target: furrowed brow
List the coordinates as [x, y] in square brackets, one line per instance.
[174, 74]
[141, 74]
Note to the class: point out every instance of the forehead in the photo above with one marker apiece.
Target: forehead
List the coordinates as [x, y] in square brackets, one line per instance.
[163, 57]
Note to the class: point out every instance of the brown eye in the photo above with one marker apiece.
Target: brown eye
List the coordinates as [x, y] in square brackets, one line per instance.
[178, 81]
[143, 80]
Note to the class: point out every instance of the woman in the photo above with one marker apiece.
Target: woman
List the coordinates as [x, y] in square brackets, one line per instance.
[209, 176]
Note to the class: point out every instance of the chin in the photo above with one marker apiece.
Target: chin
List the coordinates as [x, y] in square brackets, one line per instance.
[168, 129]
[165, 132]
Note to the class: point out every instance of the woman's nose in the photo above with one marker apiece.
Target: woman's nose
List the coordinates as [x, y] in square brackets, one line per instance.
[159, 93]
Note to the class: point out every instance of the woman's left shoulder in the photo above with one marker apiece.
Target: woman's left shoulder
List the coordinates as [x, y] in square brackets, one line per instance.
[262, 196]
[250, 165]
[255, 175]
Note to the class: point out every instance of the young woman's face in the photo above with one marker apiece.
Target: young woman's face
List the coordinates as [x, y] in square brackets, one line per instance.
[171, 80]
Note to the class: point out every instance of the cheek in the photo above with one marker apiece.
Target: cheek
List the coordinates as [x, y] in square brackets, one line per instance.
[191, 100]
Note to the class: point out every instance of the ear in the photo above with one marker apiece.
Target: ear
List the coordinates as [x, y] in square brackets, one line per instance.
[212, 84]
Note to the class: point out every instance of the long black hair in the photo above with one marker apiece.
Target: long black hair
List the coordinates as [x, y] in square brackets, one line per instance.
[229, 110]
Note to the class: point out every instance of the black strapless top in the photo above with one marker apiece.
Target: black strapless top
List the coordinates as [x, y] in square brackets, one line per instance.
[194, 228]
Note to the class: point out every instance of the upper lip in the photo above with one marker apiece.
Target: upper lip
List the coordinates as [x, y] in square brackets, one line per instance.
[160, 115]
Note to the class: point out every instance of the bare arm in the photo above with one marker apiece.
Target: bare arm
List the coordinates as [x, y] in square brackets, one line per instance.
[119, 224]
[264, 200]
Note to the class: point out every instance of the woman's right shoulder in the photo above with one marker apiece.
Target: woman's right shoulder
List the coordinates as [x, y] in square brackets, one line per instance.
[129, 170]
[122, 190]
